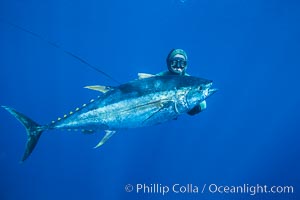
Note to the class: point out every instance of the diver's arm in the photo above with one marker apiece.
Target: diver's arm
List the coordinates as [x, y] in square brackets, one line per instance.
[164, 73]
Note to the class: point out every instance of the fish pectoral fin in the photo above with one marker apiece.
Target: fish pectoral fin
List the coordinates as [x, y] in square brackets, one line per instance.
[144, 75]
[99, 88]
[154, 104]
[108, 134]
[153, 114]
[160, 106]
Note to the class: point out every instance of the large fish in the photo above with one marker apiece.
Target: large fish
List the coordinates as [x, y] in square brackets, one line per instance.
[138, 103]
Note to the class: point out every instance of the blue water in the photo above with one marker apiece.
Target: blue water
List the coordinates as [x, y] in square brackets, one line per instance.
[249, 133]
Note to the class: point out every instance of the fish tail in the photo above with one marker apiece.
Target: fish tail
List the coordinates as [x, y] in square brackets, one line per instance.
[34, 130]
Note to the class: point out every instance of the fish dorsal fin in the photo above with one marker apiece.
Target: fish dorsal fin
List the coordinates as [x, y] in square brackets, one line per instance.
[144, 75]
[108, 134]
[99, 88]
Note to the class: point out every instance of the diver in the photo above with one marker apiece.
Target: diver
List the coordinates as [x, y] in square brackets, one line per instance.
[177, 62]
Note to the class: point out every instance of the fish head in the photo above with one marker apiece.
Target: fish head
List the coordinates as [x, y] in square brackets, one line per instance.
[199, 92]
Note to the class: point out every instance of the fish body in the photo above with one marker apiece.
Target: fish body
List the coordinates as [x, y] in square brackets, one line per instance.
[138, 103]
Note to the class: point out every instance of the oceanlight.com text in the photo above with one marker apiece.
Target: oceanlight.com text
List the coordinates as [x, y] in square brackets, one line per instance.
[249, 189]
[176, 188]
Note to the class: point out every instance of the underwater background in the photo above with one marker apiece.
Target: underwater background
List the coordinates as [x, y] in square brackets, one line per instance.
[249, 133]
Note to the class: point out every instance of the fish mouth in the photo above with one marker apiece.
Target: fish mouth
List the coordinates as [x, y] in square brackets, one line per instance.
[211, 91]
[208, 91]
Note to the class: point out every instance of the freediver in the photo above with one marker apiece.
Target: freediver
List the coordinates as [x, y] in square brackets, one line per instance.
[177, 62]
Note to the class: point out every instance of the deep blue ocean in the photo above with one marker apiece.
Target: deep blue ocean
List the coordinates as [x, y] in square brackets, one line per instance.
[248, 136]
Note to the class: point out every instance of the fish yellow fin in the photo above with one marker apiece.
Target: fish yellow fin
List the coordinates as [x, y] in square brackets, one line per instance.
[99, 88]
[144, 75]
[108, 134]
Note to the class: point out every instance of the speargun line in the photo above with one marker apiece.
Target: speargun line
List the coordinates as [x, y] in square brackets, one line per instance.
[55, 45]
